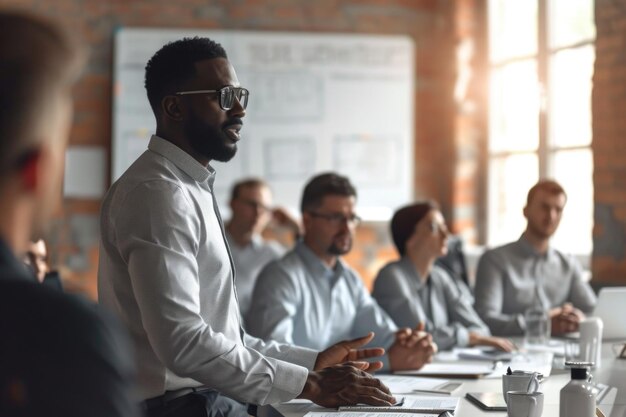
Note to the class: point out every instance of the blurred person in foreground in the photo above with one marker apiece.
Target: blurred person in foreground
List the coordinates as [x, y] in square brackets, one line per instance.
[59, 355]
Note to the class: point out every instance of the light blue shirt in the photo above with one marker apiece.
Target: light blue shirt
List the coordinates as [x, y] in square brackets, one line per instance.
[249, 260]
[514, 277]
[165, 270]
[299, 300]
[445, 311]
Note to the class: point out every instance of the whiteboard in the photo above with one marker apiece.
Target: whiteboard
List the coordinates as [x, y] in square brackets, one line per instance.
[318, 102]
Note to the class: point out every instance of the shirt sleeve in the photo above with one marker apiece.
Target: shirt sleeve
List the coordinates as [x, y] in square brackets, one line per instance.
[294, 354]
[370, 317]
[489, 298]
[158, 234]
[274, 306]
[581, 295]
[462, 316]
[394, 295]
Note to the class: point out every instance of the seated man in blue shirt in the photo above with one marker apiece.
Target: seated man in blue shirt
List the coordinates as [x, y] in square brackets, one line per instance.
[311, 298]
[529, 272]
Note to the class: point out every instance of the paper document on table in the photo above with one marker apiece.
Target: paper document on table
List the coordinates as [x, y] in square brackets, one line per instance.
[401, 384]
[452, 370]
[483, 354]
[530, 362]
[411, 404]
[361, 414]
[557, 347]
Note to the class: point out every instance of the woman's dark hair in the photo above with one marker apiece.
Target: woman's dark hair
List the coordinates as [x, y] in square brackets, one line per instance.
[404, 220]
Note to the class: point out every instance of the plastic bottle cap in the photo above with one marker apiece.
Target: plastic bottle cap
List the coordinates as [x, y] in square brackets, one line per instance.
[579, 373]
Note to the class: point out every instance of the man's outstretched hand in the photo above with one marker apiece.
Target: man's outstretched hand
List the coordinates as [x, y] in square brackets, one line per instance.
[346, 384]
[350, 351]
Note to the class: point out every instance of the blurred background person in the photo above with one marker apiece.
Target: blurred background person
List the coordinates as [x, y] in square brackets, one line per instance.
[530, 273]
[252, 213]
[414, 290]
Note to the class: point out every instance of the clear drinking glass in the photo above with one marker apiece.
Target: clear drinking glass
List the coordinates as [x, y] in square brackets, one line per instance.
[537, 326]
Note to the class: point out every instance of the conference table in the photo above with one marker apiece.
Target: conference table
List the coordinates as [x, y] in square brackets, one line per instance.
[613, 403]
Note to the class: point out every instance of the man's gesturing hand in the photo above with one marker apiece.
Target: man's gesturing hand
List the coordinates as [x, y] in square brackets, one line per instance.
[346, 384]
[348, 351]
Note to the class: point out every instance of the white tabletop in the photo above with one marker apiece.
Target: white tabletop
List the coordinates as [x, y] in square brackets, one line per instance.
[613, 404]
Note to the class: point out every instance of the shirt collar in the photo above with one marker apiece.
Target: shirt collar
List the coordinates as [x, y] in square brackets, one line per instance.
[182, 160]
[529, 250]
[315, 265]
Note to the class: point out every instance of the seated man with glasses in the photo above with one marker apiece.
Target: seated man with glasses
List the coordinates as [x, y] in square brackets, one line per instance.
[251, 213]
[311, 298]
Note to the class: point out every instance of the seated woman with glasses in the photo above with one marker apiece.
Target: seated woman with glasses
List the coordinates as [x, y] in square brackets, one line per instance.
[414, 290]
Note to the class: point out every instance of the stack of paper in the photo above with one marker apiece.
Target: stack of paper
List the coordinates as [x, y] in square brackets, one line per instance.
[401, 384]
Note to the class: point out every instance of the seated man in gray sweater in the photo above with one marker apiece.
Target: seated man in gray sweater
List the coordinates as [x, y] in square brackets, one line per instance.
[311, 298]
[529, 272]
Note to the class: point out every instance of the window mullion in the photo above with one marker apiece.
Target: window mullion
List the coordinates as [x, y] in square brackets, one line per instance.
[544, 87]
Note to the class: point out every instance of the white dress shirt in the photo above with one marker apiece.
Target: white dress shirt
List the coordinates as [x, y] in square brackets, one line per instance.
[299, 300]
[165, 269]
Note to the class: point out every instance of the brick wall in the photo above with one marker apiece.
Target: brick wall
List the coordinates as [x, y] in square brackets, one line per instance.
[429, 22]
[609, 143]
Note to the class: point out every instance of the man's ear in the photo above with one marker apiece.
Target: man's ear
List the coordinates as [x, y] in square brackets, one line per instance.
[30, 165]
[525, 212]
[171, 107]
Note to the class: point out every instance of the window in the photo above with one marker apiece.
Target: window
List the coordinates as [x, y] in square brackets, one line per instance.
[541, 63]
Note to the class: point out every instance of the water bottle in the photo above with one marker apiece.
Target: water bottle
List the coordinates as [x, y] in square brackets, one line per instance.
[578, 397]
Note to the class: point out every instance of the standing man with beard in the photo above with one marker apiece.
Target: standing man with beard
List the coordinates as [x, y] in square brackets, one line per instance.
[311, 298]
[166, 270]
[514, 277]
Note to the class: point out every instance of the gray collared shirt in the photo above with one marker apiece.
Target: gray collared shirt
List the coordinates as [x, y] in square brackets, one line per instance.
[514, 277]
[249, 260]
[447, 314]
[165, 269]
[299, 300]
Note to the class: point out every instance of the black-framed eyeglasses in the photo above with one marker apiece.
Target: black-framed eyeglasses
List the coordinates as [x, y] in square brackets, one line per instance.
[337, 219]
[226, 94]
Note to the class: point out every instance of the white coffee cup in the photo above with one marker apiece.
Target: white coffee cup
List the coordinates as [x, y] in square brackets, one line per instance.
[520, 381]
[591, 340]
[524, 404]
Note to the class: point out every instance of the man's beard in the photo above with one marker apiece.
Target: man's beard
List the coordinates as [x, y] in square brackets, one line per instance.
[208, 141]
[333, 249]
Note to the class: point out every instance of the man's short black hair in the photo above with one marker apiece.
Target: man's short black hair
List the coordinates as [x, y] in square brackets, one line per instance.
[174, 64]
[323, 185]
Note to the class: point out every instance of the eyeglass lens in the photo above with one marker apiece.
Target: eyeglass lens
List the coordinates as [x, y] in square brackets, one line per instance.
[228, 94]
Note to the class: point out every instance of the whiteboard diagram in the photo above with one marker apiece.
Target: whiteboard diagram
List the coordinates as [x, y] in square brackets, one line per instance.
[318, 102]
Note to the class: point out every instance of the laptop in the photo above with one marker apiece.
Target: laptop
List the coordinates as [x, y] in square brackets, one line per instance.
[611, 308]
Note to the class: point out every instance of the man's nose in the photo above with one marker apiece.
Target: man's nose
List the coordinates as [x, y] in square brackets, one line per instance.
[237, 110]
